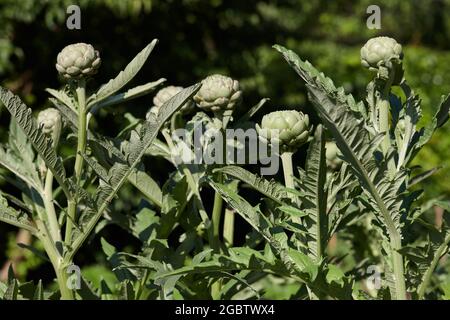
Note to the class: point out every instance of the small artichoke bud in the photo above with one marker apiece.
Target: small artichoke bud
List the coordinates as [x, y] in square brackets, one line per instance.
[77, 61]
[218, 93]
[332, 154]
[383, 52]
[289, 128]
[165, 94]
[49, 120]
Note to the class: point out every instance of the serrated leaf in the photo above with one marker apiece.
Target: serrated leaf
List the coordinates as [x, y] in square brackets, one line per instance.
[335, 274]
[3, 288]
[275, 237]
[422, 176]
[270, 189]
[314, 200]
[15, 217]
[39, 292]
[12, 291]
[304, 263]
[439, 119]
[40, 141]
[15, 165]
[427, 258]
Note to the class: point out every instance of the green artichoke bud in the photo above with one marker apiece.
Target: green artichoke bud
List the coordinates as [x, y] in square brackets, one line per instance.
[289, 128]
[332, 154]
[49, 120]
[383, 52]
[165, 94]
[77, 61]
[218, 93]
[380, 50]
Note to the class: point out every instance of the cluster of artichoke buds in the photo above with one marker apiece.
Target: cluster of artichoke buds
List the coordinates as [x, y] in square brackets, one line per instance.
[163, 95]
[383, 53]
[218, 93]
[290, 129]
[78, 61]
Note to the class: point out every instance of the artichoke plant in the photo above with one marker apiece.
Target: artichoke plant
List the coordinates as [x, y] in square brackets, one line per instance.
[289, 128]
[218, 93]
[77, 61]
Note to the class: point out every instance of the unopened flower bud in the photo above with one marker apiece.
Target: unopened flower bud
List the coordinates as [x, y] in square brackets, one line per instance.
[218, 93]
[49, 120]
[289, 128]
[77, 61]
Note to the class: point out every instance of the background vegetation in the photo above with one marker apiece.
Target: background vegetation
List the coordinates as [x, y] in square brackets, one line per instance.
[234, 37]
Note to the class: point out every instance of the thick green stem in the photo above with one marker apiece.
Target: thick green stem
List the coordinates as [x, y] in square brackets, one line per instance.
[288, 171]
[216, 215]
[79, 160]
[395, 241]
[399, 272]
[427, 276]
[228, 227]
[63, 282]
[56, 260]
[383, 109]
[50, 207]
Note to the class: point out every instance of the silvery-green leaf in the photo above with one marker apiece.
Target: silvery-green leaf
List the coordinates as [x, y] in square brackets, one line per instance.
[14, 217]
[42, 144]
[133, 93]
[124, 76]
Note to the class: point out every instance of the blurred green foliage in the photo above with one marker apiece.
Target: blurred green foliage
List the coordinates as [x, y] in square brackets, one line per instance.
[199, 37]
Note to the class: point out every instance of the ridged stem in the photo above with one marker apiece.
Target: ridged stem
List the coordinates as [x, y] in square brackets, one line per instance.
[228, 227]
[50, 207]
[79, 160]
